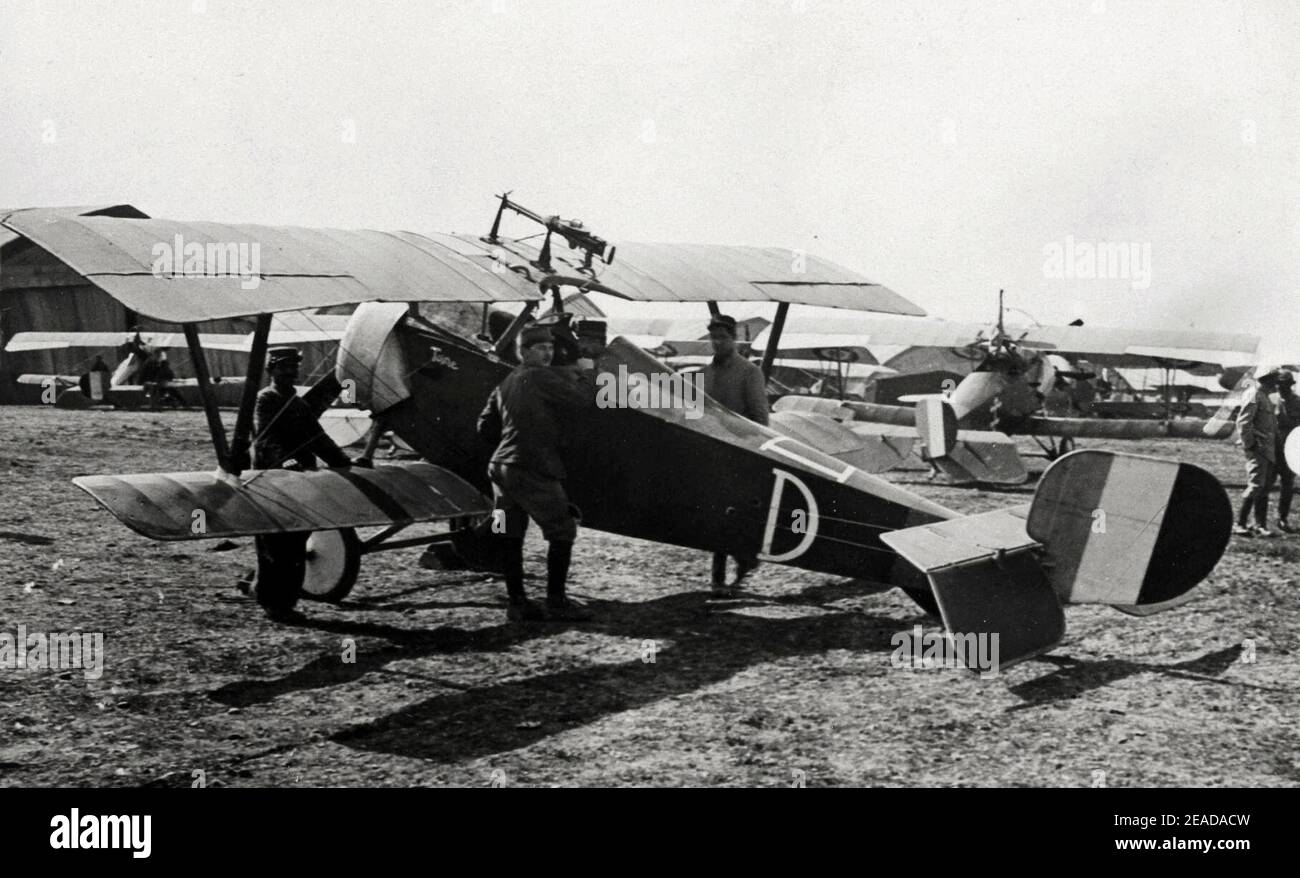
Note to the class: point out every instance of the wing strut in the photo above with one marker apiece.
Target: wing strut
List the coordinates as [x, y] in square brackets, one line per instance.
[215, 427]
[774, 338]
[508, 337]
[239, 459]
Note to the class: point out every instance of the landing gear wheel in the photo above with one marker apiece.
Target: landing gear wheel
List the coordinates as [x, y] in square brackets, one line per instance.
[332, 564]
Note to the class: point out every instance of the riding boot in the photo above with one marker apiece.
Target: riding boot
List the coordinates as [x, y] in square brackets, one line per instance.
[719, 569]
[514, 568]
[558, 557]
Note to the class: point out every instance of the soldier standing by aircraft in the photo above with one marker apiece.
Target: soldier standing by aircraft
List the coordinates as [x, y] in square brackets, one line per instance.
[1257, 424]
[738, 384]
[525, 419]
[1288, 418]
[288, 432]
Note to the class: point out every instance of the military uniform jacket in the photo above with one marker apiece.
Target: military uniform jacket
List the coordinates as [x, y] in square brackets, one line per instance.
[1257, 424]
[526, 416]
[737, 384]
[287, 429]
[1288, 415]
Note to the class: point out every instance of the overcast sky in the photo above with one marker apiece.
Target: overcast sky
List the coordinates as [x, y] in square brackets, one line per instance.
[942, 148]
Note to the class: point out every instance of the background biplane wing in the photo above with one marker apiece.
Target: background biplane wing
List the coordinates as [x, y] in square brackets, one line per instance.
[166, 506]
[1104, 345]
[49, 341]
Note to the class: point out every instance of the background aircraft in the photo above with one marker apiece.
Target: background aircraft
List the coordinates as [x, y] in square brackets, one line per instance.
[1022, 381]
[127, 356]
[995, 382]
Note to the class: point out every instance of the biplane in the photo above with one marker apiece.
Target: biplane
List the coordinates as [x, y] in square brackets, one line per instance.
[964, 428]
[1131, 532]
[123, 386]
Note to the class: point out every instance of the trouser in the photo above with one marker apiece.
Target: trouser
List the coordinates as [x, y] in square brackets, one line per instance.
[517, 495]
[281, 565]
[1255, 497]
[1280, 471]
[720, 566]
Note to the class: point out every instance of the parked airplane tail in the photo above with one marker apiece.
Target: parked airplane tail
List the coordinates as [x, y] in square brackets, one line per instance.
[1103, 528]
[965, 456]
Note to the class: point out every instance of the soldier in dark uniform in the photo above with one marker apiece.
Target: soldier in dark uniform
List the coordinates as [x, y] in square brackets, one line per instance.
[1257, 429]
[288, 433]
[525, 418]
[738, 384]
[1288, 418]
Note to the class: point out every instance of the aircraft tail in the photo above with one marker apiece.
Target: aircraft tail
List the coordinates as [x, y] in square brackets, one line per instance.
[1103, 528]
[1127, 530]
[965, 456]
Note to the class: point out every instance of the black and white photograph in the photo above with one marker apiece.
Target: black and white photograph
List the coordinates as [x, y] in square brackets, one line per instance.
[532, 394]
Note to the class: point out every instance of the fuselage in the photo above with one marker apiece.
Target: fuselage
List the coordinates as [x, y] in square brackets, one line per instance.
[706, 479]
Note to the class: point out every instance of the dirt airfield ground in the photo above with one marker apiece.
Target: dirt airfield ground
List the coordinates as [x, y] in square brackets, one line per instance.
[793, 685]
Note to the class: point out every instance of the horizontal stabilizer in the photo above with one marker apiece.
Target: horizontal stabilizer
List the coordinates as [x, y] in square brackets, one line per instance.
[199, 505]
[899, 440]
[940, 544]
[985, 457]
[1126, 530]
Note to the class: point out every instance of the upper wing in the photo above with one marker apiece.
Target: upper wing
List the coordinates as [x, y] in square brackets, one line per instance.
[702, 273]
[197, 505]
[240, 269]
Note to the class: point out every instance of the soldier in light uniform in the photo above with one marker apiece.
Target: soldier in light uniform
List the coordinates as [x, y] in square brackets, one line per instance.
[525, 419]
[288, 431]
[1288, 418]
[1257, 426]
[738, 384]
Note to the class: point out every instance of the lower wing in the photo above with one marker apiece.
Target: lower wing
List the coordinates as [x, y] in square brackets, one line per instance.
[201, 505]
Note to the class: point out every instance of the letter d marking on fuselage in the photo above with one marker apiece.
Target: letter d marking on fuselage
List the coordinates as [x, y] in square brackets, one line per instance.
[774, 510]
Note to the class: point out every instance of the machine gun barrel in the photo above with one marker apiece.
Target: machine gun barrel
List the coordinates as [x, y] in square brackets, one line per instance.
[571, 230]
